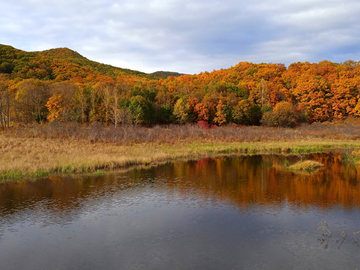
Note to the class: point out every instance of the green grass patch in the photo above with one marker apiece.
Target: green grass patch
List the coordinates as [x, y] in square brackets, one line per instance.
[16, 175]
[11, 175]
[39, 174]
[99, 172]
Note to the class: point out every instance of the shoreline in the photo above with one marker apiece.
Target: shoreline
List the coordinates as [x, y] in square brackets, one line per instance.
[35, 158]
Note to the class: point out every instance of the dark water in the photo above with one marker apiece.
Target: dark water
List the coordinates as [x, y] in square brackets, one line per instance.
[224, 213]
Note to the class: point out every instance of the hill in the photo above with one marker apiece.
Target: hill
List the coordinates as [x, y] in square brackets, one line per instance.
[165, 74]
[55, 64]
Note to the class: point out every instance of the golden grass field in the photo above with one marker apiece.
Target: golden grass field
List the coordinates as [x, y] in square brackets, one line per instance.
[23, 156]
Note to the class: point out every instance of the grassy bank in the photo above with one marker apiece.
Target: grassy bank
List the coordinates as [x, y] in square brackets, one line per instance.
[37, 157]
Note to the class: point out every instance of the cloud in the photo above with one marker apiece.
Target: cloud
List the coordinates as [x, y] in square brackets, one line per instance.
[186, 36]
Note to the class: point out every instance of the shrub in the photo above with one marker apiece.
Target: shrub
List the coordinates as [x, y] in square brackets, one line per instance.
[206, 125]
[284, 115]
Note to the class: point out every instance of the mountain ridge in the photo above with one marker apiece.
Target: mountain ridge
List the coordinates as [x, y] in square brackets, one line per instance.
[17, 62]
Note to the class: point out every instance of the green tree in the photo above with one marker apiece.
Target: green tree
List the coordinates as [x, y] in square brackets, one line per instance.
[142, 111]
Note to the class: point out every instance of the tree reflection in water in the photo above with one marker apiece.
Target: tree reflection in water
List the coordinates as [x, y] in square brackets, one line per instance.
[241, 181]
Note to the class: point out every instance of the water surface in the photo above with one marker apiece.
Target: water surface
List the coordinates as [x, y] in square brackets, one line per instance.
[223, 213]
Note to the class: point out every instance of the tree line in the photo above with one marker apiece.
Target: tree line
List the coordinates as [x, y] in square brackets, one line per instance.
[58, 89]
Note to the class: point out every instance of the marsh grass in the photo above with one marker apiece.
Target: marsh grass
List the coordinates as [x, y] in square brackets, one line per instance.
[306, 165]
[66, 149]
[35, 157]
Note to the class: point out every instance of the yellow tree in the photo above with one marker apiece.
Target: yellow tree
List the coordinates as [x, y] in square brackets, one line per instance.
[62, 95]
[220, 116]
[55, 108]
[181, 110]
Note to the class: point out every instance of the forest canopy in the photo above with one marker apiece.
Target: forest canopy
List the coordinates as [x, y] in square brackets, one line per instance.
[61, 85]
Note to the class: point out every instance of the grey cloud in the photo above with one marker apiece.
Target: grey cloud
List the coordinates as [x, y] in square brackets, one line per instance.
[186, 36]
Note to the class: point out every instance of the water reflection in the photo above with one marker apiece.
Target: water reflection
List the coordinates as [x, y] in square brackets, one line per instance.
[259, 180]
[242, 181]
[207, 214]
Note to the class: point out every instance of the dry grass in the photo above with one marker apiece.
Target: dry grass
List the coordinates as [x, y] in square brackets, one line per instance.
[306, 165]
[128, 135]
[38, 157]
[41, 150]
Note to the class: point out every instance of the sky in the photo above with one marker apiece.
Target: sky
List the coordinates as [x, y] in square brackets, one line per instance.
[187, 36]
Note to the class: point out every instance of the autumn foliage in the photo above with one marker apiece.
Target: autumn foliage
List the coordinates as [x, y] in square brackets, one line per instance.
[60, 85]
[284, 115]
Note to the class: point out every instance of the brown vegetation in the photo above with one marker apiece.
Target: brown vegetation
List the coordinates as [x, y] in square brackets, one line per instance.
[60, 148]
[173, 134]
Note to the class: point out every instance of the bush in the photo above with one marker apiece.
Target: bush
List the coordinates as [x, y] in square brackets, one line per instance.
[284, 115]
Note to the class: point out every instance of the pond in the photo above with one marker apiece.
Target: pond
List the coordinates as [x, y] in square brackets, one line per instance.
[241, 212]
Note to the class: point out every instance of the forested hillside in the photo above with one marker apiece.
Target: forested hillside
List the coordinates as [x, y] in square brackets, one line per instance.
[55, 64]
[61, 85]
[165, 74]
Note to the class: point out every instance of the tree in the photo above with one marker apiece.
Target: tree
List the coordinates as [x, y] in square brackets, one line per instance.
[220, 117]
[191, 104]
[165, 114]
[142, 111]
[344, 94]
[80, 102]
[264, 95]
[62, 96]
[181, 111]
[94, 103]
[105, 91]
[246, 113]
[284, 115]
[30, 99]
[115, 106]
[55, 106]
[5, 101]
[202, 112]
[312, 97]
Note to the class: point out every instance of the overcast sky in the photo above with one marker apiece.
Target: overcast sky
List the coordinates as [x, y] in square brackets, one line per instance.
[186, 36]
